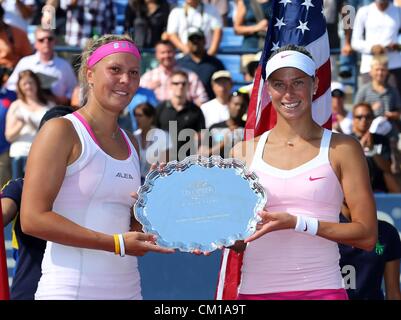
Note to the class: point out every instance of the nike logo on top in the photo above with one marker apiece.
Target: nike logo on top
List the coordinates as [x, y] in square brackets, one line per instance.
[306, 227]
[317, 178]
[286, 55]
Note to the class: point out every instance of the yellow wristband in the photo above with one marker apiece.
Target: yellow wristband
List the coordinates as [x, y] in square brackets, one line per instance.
[116, 244]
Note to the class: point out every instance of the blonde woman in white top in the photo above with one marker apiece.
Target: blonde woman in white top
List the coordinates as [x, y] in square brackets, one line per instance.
[23, 119]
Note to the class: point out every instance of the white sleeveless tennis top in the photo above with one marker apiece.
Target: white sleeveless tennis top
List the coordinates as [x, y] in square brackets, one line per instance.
[286, 260]
[95, 194]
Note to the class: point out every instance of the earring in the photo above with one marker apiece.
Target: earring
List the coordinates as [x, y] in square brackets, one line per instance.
[90, 85]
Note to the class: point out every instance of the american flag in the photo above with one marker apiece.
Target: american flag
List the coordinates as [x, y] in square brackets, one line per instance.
[299, 22]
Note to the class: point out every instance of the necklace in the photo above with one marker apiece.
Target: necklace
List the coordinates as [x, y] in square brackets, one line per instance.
[114, 134]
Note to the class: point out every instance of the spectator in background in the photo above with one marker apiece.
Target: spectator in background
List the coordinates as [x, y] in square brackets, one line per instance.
[251, 21]
[146, 21]
[18, 12]
[216, 110]
[199, 61]
[386, 103]
[23, 119]
[182, 119]
[47, 64]
[14, 44]
[376, 147]
[375, 32]
[341, 118]
[221, 6]
[195, 14]
[154, 143]
[141, 96]
[333, 10]
[30, 250]
[158, 79]
[87, 19]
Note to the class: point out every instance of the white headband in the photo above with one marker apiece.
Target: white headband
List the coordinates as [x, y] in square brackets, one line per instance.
[292, 59]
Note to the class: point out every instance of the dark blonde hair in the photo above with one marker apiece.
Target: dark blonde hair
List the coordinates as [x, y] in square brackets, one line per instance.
[90, 47]
[39, 91]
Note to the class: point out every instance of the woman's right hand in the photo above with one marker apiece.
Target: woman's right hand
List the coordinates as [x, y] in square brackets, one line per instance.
[138, 243]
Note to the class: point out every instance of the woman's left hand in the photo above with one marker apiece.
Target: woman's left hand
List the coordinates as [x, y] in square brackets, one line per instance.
[272, 221]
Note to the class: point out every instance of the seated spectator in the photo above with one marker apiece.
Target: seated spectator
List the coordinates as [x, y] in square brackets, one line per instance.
[341, 119]
[153, 142]
[195, 14]
[18, 13]
[224, 135]
[46, 62]
[199, 61]
[14, 45]
[182, 119]
[6, 98]
[376, 148]
[23, 119]
[141, 96]
[158, 79]
[372, 267]
[216, 110]
[250, 64]
[251, 21]
[146, 21]
[385, 99]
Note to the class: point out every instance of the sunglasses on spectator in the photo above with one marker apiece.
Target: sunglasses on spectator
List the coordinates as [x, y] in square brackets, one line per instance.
[41, 40]
[364, 116]
[177, 83]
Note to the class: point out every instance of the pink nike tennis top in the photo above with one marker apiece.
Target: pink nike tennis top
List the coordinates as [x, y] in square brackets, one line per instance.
[95, 194]
[286, 260]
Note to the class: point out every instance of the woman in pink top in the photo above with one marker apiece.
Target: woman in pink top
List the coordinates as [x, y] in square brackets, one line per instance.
[80, 173]
[307, 173]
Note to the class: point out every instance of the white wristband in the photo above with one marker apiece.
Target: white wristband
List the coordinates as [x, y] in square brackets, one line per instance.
[307, 225]
[122, 245]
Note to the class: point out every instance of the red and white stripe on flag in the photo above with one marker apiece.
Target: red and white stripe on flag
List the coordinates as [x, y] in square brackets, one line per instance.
[299, 22]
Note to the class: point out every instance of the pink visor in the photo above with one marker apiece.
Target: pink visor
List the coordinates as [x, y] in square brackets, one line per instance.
[113, 47]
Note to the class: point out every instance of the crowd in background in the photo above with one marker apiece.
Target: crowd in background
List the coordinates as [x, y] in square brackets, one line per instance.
[188, 82]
